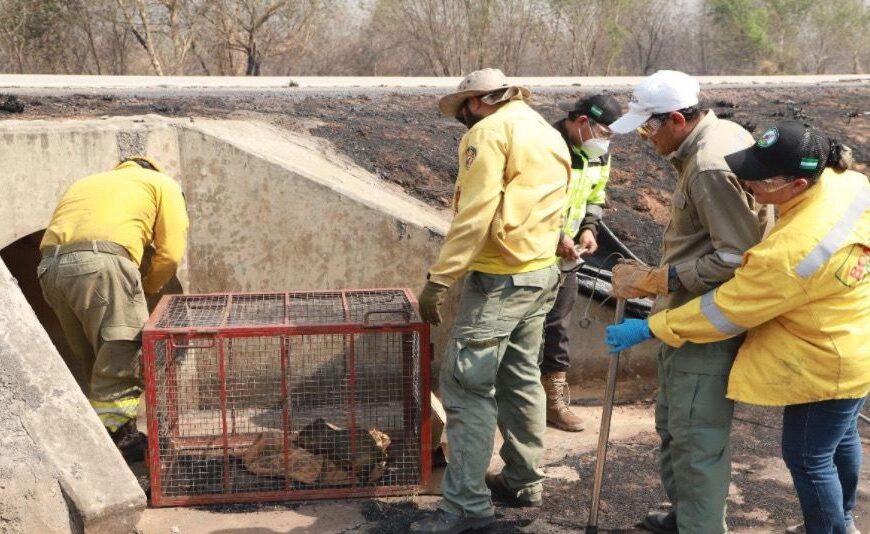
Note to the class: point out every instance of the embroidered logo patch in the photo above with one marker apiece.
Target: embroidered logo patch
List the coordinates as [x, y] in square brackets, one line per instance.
[597, 111]
[470, 155]
[856, 267]
[768, 138]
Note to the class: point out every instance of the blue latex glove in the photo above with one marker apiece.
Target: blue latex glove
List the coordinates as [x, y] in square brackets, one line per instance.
[626, 334]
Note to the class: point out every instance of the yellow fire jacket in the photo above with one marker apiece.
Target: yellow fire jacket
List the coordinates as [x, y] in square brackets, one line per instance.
[510, 194]
[131, 206]
[803, 294]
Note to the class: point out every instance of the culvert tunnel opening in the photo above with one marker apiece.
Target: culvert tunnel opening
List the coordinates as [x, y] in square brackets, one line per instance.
[21, 258]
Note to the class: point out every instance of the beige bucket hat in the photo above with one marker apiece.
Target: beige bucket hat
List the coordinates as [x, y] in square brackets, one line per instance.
[481, 82]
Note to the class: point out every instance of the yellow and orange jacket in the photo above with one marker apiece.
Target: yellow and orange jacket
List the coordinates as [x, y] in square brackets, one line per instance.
[130, 206]
[509, 198]
[803, 298]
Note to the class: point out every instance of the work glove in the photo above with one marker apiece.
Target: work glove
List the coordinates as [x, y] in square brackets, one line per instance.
[430, 301]
[632, 279]
[626, 334]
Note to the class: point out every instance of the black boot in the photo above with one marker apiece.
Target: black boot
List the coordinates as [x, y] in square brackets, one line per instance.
[660, 522]
[499, 488]
[130, 442]
[441, 522]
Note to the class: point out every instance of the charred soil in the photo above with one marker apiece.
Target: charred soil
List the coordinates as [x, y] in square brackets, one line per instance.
[403, 139]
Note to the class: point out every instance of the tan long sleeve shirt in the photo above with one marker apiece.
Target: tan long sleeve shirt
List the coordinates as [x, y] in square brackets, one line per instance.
[714, 220]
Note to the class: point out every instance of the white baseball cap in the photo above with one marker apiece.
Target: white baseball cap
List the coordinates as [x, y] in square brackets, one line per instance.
[661, 92]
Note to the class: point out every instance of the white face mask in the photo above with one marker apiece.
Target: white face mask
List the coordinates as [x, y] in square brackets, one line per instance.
[595, 148]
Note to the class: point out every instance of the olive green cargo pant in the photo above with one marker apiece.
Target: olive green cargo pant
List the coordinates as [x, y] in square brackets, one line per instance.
[693, 419]
[99, 301]
[490, 377]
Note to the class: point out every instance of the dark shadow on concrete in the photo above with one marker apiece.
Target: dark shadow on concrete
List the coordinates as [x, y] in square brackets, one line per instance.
[22, 257]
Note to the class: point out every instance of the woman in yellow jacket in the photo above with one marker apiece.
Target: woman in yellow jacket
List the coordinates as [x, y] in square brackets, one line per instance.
[802, 296]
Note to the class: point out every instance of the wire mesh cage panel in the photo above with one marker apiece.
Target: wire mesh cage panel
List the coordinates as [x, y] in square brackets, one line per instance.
[284, 396]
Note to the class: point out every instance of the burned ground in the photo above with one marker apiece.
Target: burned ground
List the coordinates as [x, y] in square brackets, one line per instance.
[761, 499]
[401, 137]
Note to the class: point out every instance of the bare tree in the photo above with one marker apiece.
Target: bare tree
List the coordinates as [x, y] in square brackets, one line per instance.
[653, 26]
[836, 41]
[592, 35]
[26, 31]
[147, 41]
[258, 29]
[433, 37]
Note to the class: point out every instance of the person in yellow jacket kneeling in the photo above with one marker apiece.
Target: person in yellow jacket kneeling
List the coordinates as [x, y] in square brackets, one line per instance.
[801, 296]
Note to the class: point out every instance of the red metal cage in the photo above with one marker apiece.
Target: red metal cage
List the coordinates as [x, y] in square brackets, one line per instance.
[286, 396]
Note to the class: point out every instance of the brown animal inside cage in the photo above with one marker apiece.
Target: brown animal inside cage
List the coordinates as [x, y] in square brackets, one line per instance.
[251, 399]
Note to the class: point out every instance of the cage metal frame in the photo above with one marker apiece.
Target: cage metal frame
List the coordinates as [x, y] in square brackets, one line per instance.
[213, 336]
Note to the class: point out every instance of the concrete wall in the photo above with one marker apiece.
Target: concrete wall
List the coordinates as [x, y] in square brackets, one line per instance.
[590, 359]
[42, 158]
[59, 471]
[273, 211]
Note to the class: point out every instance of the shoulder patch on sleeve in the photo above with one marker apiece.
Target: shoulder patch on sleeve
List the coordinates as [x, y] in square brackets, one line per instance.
[856, 266]
[470, 155]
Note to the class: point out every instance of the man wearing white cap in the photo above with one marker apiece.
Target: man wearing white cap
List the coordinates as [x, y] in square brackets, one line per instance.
[714, 220]
[509, 199]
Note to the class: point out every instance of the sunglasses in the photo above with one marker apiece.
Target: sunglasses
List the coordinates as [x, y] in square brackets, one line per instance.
[652, 125]
[771, 185]
[600, 130]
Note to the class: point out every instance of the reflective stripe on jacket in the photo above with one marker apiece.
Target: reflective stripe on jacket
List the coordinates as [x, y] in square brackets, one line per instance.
[509, 199]
[130, 206]
[803, 294]
[587, 190]
[713, 219]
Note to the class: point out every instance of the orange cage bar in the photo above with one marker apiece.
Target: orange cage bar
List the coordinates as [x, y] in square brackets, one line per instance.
[287, 396]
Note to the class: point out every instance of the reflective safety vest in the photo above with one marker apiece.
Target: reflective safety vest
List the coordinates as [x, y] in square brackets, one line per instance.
[587, 187]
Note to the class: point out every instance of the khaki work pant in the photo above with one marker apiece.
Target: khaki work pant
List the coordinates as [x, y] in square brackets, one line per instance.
[99, 301]
[490, 377]
[693, 420]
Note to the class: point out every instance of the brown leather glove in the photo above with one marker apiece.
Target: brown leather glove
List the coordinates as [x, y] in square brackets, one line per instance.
[430, 301]
[632, 279]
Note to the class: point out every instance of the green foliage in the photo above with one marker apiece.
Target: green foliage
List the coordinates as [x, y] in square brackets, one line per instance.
[744, 23]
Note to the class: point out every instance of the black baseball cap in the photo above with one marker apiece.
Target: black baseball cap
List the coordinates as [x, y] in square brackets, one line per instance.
[602, 108]
[788, 148]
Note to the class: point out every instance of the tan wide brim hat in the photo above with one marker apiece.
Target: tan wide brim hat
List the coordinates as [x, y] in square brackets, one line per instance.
[481, 82]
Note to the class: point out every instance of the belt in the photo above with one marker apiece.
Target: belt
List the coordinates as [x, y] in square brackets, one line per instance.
[109, 247]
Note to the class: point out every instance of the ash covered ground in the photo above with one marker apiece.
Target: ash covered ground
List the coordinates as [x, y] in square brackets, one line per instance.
[400, 136]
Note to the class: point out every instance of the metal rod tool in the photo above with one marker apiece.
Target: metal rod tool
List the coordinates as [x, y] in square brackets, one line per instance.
[604, 432]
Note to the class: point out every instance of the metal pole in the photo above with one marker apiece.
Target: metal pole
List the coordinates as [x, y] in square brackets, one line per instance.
[864, 418]
[604, 432]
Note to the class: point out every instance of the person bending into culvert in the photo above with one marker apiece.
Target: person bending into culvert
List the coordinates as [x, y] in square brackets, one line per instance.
[89, 275]
[713, 222]
[803, 298]
[586, 132]
[514, 170]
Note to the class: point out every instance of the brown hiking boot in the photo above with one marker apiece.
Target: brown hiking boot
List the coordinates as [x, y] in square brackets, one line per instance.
[559, 413]
[130, 442]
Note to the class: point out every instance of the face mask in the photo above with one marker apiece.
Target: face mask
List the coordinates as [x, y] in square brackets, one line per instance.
[595, 148]
[467, 117]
